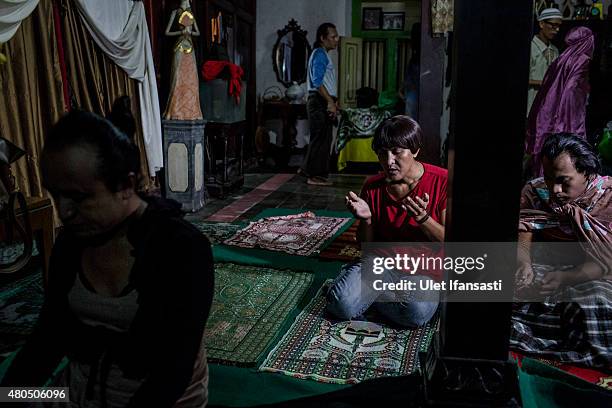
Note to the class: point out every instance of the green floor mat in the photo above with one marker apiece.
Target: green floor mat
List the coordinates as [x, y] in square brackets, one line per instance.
[249, 306]
[20, 304]
[256, 387]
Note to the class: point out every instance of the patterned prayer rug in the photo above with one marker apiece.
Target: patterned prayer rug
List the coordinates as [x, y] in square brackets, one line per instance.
[249, 307]
[296, 234]
[20, 304]
[217, 232]
[320, 348]
[345, 247]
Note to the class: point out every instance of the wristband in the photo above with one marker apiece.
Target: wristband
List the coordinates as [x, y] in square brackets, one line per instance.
[422, 220]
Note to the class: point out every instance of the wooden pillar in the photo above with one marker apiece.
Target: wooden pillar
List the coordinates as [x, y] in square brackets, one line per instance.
[490, 76]
[431, 86]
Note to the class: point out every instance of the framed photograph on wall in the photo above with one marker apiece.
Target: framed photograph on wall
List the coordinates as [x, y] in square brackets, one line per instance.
[393, 21]
[371, 18]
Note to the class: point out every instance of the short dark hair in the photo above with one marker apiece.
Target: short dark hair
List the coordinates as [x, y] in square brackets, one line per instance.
[117, 155]
[398, 131]
[366, 97]
[322, 31]
[579, 150]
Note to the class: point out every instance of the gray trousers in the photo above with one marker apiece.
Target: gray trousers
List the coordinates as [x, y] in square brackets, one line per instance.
[316, 162]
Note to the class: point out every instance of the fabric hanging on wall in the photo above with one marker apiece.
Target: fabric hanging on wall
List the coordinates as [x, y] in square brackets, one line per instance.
[12, 12]
[120, 29]
[95, 80]
[31, 97]
[442, 15]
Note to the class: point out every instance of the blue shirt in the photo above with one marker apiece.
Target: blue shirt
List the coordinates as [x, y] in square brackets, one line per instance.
[321, 72]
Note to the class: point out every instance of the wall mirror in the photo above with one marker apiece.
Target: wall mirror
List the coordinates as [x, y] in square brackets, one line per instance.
[290, 54]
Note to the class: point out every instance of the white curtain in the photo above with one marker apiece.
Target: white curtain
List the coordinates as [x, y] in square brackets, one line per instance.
[120, 29]
[11, 14]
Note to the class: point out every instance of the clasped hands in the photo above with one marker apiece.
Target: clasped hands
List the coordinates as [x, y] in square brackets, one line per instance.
[416, 207]
[550, 283]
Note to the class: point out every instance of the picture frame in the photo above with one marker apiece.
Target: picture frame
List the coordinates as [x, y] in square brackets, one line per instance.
[393, 21]
[371, 18]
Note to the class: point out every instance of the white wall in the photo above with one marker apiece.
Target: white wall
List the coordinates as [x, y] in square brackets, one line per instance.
[274, 15]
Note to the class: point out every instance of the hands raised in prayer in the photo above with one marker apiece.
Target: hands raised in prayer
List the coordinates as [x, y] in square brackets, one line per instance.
[417, 206]
[358, 206]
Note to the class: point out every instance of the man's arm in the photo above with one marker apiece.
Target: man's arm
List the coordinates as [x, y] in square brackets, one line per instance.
[185, 307]
[433, 229]
[365, 233]
[524, 273]
[331, 104]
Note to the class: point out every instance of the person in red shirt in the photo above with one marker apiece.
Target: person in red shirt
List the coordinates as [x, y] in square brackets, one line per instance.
[405, 203]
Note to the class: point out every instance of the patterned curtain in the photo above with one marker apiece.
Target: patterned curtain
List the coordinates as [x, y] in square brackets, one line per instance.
[442, 15]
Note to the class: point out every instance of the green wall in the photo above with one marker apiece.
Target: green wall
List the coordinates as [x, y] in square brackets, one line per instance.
[391, 38]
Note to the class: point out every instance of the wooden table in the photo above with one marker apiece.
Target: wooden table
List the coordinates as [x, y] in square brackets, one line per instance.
[224, 149]
[41, 220]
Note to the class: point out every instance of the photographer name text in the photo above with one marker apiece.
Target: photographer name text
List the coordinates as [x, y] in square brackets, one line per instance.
[431, 285]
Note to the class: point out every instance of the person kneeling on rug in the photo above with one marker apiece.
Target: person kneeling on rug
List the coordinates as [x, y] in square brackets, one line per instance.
[405, 203]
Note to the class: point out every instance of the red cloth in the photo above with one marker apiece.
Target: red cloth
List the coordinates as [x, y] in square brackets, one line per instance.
[212, 69]
[392, 223]
[588, 374]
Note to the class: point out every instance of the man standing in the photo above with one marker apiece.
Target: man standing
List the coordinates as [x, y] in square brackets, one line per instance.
[322, 106]
[543, 52]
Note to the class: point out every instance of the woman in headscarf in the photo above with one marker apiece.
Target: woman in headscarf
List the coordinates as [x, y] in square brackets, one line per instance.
[560, 105]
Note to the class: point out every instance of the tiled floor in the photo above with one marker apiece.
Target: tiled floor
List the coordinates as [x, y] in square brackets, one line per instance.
[292, 193]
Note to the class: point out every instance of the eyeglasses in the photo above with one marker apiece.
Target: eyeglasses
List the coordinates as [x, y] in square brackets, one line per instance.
[554, 26]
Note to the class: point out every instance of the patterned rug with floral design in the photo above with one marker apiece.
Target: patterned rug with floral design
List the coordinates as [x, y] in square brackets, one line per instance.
[297, 234]
[320, 348]
[249, 307]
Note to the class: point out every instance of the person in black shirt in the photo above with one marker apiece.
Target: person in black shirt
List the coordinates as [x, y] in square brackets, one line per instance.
[130, 282]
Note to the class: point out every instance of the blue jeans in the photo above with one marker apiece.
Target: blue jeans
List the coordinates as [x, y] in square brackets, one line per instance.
[347, 299]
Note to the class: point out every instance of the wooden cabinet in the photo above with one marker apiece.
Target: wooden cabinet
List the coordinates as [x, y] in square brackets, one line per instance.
[288, 113]
[237, 42]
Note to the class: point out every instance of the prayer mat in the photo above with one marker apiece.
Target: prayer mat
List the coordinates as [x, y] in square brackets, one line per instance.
[217, 232]
[20, 304]
[544, 386]
[249, 307]
[321, 348]
[587, 374]
[297, 234]
[345, 247]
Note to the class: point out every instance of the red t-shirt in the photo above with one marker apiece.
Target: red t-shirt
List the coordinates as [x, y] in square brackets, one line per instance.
[390, 221]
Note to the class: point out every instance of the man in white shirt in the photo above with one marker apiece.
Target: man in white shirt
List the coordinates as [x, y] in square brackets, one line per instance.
[322, 106]
[543, 52]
